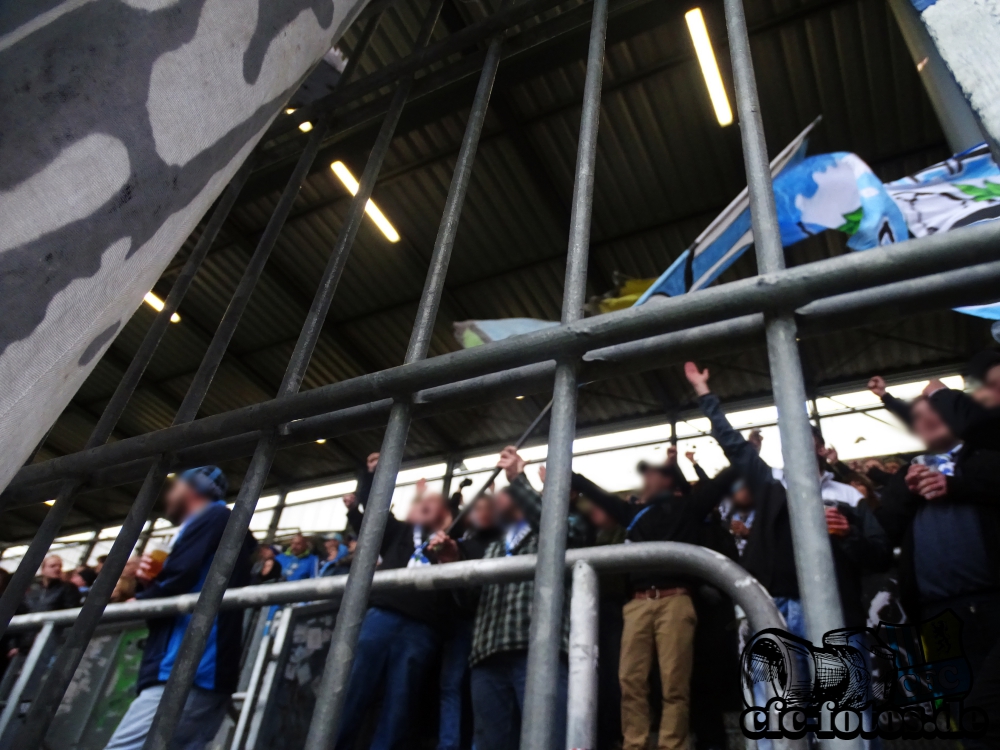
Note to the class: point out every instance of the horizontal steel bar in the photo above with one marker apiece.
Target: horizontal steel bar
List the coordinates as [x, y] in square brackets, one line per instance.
[972, 285]
[675, 557]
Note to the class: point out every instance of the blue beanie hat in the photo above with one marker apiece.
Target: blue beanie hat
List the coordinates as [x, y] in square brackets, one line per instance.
[208, 481]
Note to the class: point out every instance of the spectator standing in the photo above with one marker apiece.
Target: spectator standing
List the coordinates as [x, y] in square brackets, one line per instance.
[298, 562]
[50, 592]
[944, 514]
[858, 542]
[659, 619]
[83, 579]
[500, 638]
[266, 569]
[336, 550]
[196, 502]
[480, 532]
[400, 635]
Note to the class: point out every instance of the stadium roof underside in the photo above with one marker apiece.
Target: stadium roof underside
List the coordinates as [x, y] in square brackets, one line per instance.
[665, 169]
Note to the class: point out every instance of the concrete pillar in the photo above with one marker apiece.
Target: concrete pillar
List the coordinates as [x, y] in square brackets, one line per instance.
[122, 122]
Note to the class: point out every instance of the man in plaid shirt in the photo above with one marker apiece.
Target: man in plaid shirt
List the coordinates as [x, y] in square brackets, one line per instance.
[500, 636]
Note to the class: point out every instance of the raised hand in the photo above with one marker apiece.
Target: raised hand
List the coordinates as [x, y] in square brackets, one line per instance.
[877, 386]
[689, 455]
[697, 378]
[836, 523]
[511, 463]
[372, 462]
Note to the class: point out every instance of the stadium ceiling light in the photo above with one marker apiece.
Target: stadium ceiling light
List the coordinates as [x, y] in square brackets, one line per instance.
[321, 441]
[344, 174]
[306, 126]
[709, 66]
[157, 304]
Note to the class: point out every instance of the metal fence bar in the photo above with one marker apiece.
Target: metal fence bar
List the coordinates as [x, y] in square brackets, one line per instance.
[813, 556]
[541, 687]
[972, 285]
[56, 515]
[196, 634]
[673, 557]
[72, 651]
[581, 713]
[787, 289]
[330, 697]
[31, 664]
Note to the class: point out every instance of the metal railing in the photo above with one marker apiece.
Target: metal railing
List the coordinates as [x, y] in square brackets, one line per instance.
[777, 305]
[270, 644]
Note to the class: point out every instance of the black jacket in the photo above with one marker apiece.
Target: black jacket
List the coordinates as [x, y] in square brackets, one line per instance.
[60, 595]
[184, 572]
[976, 482]
[666, 518]
[769, 554]
[430, 607]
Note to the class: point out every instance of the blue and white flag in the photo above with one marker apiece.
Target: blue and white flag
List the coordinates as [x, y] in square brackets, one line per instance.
[725, 239]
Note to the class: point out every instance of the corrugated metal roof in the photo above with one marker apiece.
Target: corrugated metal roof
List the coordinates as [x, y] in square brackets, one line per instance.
[665, 168]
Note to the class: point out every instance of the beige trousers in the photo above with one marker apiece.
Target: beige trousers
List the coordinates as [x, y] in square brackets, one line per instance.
[661, 629]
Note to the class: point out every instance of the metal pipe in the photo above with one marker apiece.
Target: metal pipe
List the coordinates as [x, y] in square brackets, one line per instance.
[538, 728]
[57, 514]
[954, 113]
[672, 557]
[581, 713]
[31, 663]
[972, 285]
[787, 289]
[813, 554]
[199, 627]
[272, 526]
[336, 676]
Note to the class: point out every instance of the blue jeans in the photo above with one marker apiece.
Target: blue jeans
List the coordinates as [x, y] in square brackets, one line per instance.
[200, 721]
[396, 650]
[454, 665]
[791, 610]
[498, 701]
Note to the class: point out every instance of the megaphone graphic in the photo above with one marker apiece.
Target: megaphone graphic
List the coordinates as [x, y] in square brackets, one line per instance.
[853, 669]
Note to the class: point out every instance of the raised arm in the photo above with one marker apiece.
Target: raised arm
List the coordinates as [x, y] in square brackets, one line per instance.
[892, 404]
[613, 505]
[741, 453]
[711, 492]
[529, 500]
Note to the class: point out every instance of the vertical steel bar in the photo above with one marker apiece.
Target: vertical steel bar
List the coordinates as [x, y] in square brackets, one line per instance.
[330, 701]
[256, 673]
[199, 626]
[541, 690]
[449, 474]
[79, 635]
[31, 663]
[272, 526]
[813, 556]
[581, 713]
[57, 514]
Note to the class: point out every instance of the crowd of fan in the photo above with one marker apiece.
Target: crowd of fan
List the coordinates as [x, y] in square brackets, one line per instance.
[668, 651]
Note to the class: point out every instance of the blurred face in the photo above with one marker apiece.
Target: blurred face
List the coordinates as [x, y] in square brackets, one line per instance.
[180, 501]
[931, 429]
[655, 482]
[265, 552]
[742, 498]
[332, 547]
[77, 580]
[429, 512]
[52, 567]
[993, 384]
[298, 545]
[481, 515]
[505, 508]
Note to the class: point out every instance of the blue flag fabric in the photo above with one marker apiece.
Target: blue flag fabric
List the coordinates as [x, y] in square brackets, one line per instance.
[839, 191]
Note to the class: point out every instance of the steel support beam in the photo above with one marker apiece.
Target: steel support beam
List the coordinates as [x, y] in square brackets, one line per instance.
[581, 713]
[330, 701]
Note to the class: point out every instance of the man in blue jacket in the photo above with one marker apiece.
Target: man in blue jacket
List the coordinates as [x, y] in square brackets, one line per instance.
[196, 503]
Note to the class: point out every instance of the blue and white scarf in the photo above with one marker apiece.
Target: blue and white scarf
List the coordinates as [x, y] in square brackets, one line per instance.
[515, 536]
